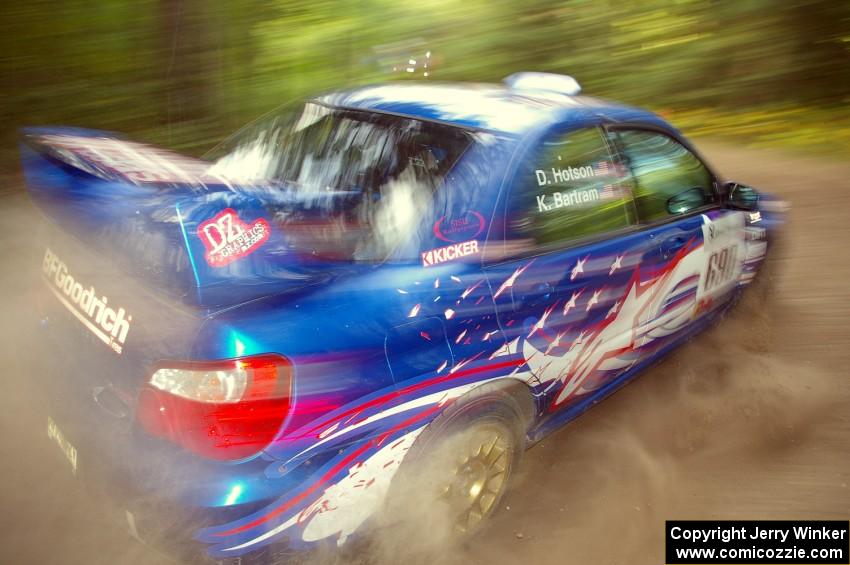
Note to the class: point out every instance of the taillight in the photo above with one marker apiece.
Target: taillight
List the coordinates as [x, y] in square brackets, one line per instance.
[223, 410]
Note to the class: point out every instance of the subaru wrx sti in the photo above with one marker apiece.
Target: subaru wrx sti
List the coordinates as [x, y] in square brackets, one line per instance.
[386, 290]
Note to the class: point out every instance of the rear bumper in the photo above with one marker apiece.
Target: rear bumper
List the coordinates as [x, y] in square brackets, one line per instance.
[160, 494]
[154, 494]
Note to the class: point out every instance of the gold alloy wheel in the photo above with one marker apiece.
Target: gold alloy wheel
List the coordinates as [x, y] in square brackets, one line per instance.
[481, 462]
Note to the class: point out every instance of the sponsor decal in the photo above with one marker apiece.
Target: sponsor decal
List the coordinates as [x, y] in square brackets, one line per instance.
[755, 234]
[227, 238]
[467, 227]
[54, 433]
[449, 253]
[110, 325]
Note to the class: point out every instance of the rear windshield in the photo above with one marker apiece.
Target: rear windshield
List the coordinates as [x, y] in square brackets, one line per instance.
[358, 182]
[319, 148]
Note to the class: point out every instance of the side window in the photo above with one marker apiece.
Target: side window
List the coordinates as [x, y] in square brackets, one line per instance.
[570, 188]
[669, 180]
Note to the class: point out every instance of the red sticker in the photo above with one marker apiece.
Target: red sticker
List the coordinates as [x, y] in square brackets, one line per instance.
[227, 238]
[455, 230]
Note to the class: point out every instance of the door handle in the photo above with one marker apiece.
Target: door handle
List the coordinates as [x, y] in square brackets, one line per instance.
[672, 245]
[540, 294]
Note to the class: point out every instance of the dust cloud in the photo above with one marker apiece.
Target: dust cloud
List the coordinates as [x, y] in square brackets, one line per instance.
[747, 421]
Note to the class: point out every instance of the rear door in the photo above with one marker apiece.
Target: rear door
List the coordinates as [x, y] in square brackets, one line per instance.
[561, 273]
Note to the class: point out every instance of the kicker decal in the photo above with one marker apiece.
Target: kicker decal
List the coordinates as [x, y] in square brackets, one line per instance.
[108, 324]
[227, 238]
[449, 253]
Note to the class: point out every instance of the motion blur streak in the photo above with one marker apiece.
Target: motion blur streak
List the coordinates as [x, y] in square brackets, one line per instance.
[183, 73]
[749, 421]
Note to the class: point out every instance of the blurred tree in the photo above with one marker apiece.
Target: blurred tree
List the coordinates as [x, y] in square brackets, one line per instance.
[186, 60]
[185, 72]
[819, 35]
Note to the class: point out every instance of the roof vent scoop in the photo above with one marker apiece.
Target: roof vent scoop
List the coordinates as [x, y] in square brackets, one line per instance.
[549, 82]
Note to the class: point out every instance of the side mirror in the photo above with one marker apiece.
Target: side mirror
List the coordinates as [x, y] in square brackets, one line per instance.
[686, 201]
[742, 197]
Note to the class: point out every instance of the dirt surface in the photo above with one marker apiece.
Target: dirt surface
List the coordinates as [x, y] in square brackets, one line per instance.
[751, 420]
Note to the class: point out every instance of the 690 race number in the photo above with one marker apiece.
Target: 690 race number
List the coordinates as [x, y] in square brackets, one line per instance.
[721, 267]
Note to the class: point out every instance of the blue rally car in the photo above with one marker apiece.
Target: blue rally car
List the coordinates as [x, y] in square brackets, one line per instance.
[385, 293]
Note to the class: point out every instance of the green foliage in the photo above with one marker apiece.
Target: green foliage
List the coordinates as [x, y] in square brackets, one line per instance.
[183, 73]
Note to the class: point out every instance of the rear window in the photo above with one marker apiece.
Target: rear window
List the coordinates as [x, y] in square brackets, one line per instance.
[358, 183]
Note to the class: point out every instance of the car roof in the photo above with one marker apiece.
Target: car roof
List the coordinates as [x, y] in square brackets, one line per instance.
[491, 107]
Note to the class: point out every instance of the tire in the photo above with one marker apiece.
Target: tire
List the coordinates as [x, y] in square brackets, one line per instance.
[460, 467]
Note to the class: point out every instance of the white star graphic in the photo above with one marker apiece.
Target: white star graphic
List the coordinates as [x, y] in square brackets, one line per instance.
[555, 342]
[542, 321]
[616, 264]
[511, 279]
[572, 301]
[613, 309]
[593, 300]
[578, 269]
[579, 339]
